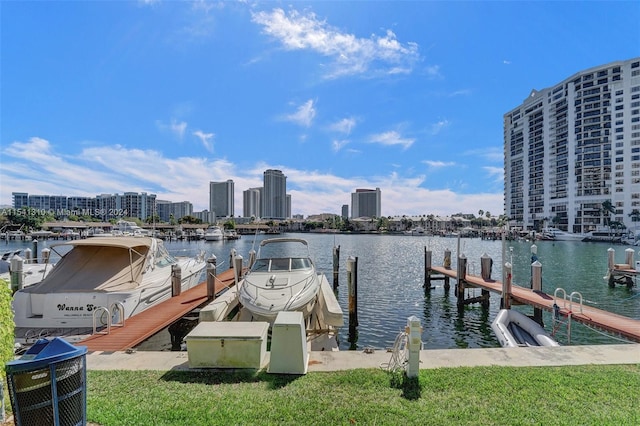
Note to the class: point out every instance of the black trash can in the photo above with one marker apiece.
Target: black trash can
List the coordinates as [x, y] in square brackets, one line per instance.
[47, 385]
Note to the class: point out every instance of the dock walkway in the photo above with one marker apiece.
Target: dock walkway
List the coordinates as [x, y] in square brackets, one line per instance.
[147, 323]
[612, 323]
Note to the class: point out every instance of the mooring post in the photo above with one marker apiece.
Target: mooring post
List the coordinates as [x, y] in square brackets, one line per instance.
[352, 281]
[447, 259]
[27, 256]
[536, 285]
[628, 258]
[35, 251]
[415, 345]
[46, 255]
[461, 275]
[237, 268]
[176, 280]
[506, 287]
[232, 255]
[336, 266]
[17, 267]
[211, 277]
[611, 256]
[427, 269]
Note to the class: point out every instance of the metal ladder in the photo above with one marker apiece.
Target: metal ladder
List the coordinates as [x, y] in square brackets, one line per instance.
[557, 321]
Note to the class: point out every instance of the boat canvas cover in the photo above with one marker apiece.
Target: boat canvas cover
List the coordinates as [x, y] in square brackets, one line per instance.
[98, 264]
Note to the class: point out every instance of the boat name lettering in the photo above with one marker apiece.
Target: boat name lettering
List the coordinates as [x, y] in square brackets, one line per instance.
[63, 307]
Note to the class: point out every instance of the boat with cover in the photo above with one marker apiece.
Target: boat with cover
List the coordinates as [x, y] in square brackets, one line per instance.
[213, 233]
[513, 329]
[101, 281]
[282, 278]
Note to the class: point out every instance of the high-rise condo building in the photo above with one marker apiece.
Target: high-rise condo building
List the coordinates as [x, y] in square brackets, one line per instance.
[221, 199]
[251, 202]
[366, 203]
[572, 152]
[274, 195]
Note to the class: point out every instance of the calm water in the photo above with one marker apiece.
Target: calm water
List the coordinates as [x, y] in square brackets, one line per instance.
[391, 275]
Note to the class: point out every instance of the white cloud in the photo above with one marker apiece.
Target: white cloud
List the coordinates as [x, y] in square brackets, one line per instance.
[304, 115]
[497, 173]
[439, 164]
[36, 167]
[206, 139]
[178, 128]
[351, 55]
[437, 127]
[337, 145]
[391, 138]
[345, 125]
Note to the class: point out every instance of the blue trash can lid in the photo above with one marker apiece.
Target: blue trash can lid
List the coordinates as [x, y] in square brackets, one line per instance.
[45, 352]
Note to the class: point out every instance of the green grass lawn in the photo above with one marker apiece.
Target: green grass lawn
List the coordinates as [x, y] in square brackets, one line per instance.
[583, 395]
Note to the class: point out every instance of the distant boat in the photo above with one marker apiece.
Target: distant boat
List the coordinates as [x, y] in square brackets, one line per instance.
[606, 234]
[417, 231]
[213, 233]
[231, 234]
[556, 234]
[514, 329]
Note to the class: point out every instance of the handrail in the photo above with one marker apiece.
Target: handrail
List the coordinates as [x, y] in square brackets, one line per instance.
[119, 307]
[95, 316]
[571, 300]
[564, 296]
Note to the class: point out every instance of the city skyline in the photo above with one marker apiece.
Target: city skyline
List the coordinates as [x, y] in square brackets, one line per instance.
[165, 97]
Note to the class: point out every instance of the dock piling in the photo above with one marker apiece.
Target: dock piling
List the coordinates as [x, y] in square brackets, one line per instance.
[506, 287]
[176, 280]
[536, 286]
[336, 266]
[211, 277]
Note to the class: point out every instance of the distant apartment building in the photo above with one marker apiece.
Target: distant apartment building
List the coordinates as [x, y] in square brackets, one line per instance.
[251, 202]
[104, 206]
[574, 147]
[274, 195]
[221, 199]
[345, 211]
[366, 203]
[167, 210]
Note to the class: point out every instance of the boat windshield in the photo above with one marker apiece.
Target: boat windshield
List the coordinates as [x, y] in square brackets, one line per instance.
[163, 258]
[281, 264]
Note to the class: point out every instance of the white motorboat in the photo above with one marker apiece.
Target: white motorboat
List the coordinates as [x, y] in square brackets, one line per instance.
[514, 329]
[285, 279]
[556, 234]
[100, 281]
[606, 234]
[213, 233]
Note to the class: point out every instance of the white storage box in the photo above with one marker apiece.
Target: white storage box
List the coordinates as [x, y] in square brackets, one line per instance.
[288, 344]
[228, 345]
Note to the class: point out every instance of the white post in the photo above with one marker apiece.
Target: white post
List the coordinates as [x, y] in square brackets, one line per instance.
[237, 267]
[415, 344]
[611, 254]
[17, 268]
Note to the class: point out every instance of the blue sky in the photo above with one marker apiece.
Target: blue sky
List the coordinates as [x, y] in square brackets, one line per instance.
[163, 97]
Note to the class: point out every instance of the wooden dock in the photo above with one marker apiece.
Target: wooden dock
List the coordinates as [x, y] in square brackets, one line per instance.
[147, 323]
[619, 325]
